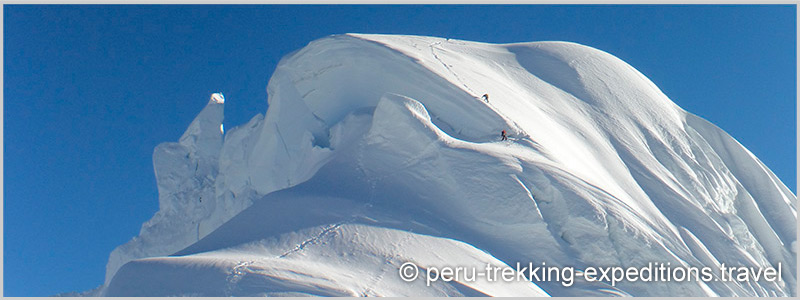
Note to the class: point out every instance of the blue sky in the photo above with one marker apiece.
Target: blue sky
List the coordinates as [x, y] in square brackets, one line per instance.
[89, 91]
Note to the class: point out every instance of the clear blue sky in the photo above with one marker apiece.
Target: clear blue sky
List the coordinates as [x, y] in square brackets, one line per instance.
[91, 90]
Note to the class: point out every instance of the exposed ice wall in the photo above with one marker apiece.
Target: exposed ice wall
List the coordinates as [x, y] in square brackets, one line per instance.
[185, 173]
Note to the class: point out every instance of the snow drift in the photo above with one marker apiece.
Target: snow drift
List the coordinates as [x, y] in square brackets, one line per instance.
[377, 150]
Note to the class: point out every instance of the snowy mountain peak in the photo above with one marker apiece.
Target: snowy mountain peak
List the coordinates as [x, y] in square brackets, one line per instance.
[186, 174]
[218, 98]
[376, 148]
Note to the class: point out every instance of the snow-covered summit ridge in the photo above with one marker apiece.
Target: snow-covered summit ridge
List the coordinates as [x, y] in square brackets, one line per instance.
[602, 169]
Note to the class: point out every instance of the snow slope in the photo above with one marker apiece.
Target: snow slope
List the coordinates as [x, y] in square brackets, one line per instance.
[377, 150]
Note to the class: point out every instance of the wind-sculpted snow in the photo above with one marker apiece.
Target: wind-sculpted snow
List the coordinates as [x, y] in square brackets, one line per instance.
[377, 150]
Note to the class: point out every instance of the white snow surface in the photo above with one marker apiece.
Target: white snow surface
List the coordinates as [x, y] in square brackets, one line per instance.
[218, 98]
[377, 150]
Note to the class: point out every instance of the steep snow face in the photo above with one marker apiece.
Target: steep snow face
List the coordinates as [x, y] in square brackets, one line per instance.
[377, 150]
[185, 174]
